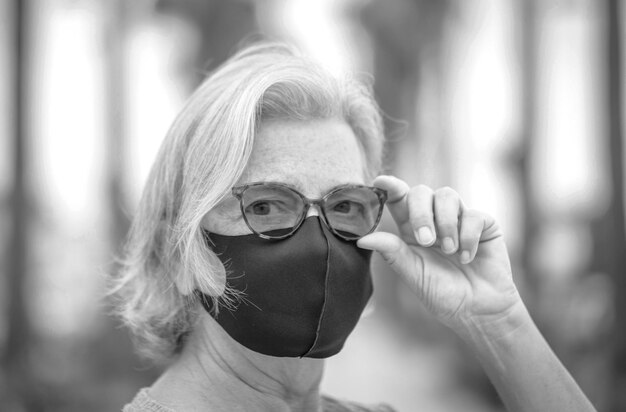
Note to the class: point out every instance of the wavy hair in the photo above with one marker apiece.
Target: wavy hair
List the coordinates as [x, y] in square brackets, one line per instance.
[202, 156]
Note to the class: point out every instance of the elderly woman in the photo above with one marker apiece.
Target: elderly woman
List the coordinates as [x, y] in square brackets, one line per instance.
[248, 260]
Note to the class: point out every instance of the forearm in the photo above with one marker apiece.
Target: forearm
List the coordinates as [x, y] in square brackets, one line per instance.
[525, 371]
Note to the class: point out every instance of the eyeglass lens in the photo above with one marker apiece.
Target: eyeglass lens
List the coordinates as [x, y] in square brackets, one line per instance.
[352, 212]
[268, 208]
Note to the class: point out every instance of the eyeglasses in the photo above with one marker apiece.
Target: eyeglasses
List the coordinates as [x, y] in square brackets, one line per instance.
[275, 210]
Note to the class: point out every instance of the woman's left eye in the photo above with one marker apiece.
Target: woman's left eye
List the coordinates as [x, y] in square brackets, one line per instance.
[343, 207]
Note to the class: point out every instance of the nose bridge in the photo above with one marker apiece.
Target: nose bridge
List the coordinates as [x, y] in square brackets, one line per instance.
[314, 207]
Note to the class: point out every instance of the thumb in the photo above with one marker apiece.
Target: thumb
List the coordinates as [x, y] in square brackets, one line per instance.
[396, 253]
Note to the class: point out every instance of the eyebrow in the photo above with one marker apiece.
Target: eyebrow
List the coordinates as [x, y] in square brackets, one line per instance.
[298, 186]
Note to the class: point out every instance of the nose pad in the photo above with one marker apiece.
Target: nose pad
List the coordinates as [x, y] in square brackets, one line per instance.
[314, 210]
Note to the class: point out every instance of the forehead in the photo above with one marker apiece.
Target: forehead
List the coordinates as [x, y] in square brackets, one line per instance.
[313, 156]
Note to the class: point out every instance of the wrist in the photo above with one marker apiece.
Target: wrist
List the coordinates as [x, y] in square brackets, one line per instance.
[500, 327]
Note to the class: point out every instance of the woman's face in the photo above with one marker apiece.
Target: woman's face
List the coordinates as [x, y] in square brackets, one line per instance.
[312, 156]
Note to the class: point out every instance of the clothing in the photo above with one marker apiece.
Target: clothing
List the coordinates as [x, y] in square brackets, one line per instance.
[144, 403]
[303, 295]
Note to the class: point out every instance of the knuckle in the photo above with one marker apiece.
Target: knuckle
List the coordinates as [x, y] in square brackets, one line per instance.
[446, 192]
[469, 238]
[420, 207]
[420, 191]
[420, 220]
[447, 227]
[485, 217]
[446, 216]
[473, 214]
[446, 198]
[476, 217]
[390, 258]
[392, 255]
[470, 220]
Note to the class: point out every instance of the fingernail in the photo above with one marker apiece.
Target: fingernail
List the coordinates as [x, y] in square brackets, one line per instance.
[465, 256]
[425, 235]
[448, 245]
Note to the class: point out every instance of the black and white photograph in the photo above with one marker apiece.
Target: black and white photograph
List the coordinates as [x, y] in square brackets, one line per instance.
[312, 205]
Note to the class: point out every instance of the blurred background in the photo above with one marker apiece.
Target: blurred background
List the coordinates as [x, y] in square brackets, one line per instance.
[517, 104]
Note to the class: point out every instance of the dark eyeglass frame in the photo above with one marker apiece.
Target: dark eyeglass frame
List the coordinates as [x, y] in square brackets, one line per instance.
[238, 192]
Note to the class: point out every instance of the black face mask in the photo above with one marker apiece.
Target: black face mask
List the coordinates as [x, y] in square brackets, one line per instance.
[303, 294]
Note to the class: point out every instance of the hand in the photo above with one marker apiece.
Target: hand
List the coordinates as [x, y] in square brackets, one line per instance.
[452, 257]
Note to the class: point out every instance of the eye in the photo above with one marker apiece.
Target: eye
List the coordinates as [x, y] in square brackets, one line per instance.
[260, 208]
[343, 207]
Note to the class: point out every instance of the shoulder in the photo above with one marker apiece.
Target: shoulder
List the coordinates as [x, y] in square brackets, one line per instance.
[143, 402]
[330, 404]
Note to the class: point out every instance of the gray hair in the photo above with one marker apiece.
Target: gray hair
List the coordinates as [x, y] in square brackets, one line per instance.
[202, 157]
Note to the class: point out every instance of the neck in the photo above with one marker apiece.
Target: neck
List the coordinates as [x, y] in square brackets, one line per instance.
[216, 371]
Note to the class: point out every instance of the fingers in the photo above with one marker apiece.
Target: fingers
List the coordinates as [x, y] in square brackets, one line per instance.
[395, 252]
[437, 218]
[447, 206]
[397, 191]
[469, 235]
[421, 214]
[411, 208]
[435, 215]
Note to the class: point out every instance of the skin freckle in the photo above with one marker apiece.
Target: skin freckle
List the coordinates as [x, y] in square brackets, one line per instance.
[312, 156]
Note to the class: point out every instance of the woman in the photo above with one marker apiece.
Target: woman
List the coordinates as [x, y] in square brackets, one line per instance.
[248, 261]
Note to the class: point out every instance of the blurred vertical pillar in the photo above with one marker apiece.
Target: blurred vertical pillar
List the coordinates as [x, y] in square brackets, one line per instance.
[614, 218]
[115, 349]
[19, 385]
[528, 212]
[222, 25]
[115, 106]
[480, 124]
[407, 37]
[396, 46]
[565, 182]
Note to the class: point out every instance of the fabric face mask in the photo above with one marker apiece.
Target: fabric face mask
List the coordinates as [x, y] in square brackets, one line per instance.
[303, 295]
